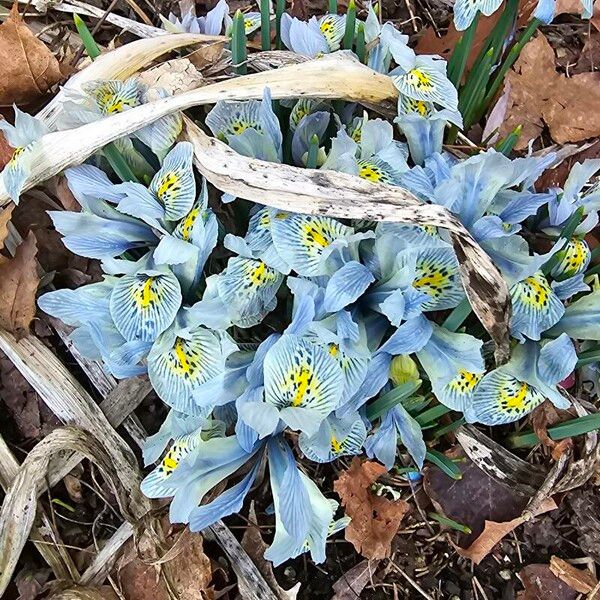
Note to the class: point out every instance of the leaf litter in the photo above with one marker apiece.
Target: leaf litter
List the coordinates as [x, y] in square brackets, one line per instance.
[568, 106]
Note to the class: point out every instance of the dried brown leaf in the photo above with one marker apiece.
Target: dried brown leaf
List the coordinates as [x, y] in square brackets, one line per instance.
[5, 216]
[184, 569]
[350, 585]
[375, 520]
[568, 106]
[18, 285]
[6, 151]
[542, 417]
[541, 584]
[493, 532]
[86, 593]
[581, 580]
[27, 67]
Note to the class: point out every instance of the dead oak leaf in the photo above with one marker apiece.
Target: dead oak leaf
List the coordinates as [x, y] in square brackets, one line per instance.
[375, 520]
[494, 532]
[27, 67]
[18, 284]
[567, 105]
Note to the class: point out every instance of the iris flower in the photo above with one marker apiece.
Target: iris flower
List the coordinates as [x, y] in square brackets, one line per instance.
[531, 375]
[21, 136]
[211, 24]
[250, 127]
[315, 37]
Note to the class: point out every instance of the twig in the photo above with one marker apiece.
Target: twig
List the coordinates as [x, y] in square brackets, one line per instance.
[412, 582]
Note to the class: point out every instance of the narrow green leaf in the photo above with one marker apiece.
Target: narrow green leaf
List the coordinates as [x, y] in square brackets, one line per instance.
[507, 144]
[444, 463]
[265, 25]
[510, 60]
[279, 10]
[361, 51]
[348, 39]
[566, 234]
[118, 163]
[448, 428]
[239, 51]
[431, 414]
[91, 48]
[458, 61]
[572, 428]
[313, 151]
[589, 356]
[458, 315]
[449, 523]
[391, 399]
[470, 99]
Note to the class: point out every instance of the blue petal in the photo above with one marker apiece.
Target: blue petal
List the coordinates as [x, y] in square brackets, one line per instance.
[228, 503]
[346, 286]
[557, 360]
[411, 434]
[382, 444]
[581, 319]
[409, 337]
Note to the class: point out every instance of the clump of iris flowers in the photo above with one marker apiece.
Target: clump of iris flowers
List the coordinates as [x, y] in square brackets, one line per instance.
[271, 344]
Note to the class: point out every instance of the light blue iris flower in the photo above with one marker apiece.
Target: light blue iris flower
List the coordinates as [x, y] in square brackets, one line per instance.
[211, 24]
[250, 127]
[21, 136]
[532, 374]
[304, 517]
[315, 37]
[546, 9]
[384, 42]
[454, 364]
[423, 78]
[416, 271]
[424, 126]
[96, 335]
[371, 152]
[466, 10]
[243, 294]
[383, 443]
[99, 99]
[573, 196]
[165, 217]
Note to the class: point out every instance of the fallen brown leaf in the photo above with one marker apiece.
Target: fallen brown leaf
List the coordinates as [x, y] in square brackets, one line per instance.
[189, 572]
[569, 106]
[573, 7]
[27, 67]
[542, 417]
[18, 284]
[541, 584]
[581, 580]
[375, 520]
[494, 532]
[5, 216]
[6, 151]
[350, 585]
